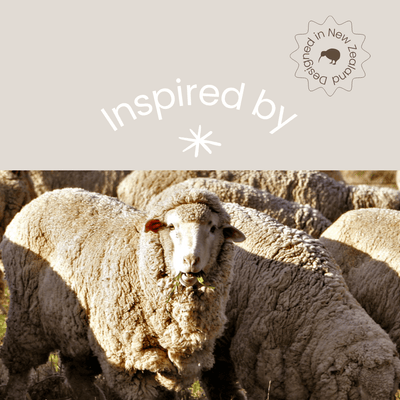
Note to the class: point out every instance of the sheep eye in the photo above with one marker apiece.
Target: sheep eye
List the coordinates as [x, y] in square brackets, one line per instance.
[213, 228]
[171, 227]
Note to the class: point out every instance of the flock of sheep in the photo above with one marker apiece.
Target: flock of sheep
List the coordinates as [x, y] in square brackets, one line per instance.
[261, 284]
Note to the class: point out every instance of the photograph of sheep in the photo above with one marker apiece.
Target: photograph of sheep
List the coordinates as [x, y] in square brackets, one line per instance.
[199, 284]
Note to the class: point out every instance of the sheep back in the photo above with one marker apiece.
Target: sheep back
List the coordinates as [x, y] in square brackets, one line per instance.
[139, 187]
[14, 194]
[289, 213]
[81, 248]
[376, 178]
[293, 323]
[365, 244]
[314, 188]
[104, 182]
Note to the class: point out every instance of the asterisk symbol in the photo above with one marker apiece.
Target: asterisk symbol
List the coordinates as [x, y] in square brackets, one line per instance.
[197, 141]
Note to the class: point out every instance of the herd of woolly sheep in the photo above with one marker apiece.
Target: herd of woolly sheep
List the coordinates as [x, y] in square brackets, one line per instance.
[258, 284]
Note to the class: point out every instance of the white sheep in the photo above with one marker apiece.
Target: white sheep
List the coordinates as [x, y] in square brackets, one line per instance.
[97, 279]
[14, 194]
[295, 331]
[287, 212]
[314, 188]
[369, 177]
[99, 181]
[365, 244]
[334, 174]
[18, 188]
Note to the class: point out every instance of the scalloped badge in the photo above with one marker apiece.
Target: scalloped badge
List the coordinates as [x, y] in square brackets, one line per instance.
[330, 56]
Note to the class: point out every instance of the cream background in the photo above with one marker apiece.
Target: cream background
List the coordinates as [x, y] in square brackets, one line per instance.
[62, 62]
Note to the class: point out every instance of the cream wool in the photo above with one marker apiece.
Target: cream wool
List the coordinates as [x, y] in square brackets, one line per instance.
[86, 278]
[104, 182]
[369, 177]
[14, 194]
[294, 325]
[18, 188]
[365, 244]
[314, 188]
[289, 213]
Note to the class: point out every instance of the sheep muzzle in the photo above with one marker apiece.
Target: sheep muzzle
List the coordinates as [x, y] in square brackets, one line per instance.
[188, 279]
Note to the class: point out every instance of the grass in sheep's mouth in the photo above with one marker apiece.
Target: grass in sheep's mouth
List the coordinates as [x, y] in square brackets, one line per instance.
[176, 281]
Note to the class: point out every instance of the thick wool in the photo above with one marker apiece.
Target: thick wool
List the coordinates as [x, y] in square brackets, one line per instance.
[293, 325]
[334, 174]
[289, 213]
[365, 244]
[104, 182]
[314, 188]
[376, 178]
[14, 194]
[18, 188]
[85, 278]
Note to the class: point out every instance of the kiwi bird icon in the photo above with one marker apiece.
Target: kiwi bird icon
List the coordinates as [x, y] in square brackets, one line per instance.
[332, 54]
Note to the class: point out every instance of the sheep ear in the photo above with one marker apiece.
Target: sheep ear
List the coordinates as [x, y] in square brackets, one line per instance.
[233, 234]
[153, 225]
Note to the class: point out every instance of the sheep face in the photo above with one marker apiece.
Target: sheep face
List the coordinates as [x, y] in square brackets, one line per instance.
[192, 237]
[188, 235]
[192, 244]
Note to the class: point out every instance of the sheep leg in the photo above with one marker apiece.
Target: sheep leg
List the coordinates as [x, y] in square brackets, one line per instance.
[220, 382]
[22, 350]
[81, 375]
[17, 386]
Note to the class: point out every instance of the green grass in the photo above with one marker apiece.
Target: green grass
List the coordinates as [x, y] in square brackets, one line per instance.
[197, 391]
[54, 361]
[5, 303]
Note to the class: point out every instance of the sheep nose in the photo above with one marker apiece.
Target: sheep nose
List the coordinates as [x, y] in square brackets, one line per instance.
[191, 261]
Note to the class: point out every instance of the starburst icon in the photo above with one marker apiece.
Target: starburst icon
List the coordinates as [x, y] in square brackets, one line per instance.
[197, 141]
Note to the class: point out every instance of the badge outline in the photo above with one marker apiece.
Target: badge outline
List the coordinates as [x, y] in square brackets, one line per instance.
[306, 78]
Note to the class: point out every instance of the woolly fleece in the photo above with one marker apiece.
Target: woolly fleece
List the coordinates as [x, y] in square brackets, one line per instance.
[294, 325]
[365, 244]
[379, 178]
[314, 188]
[289, 213]
[14, 194]
[104, 182]
[85, 278]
